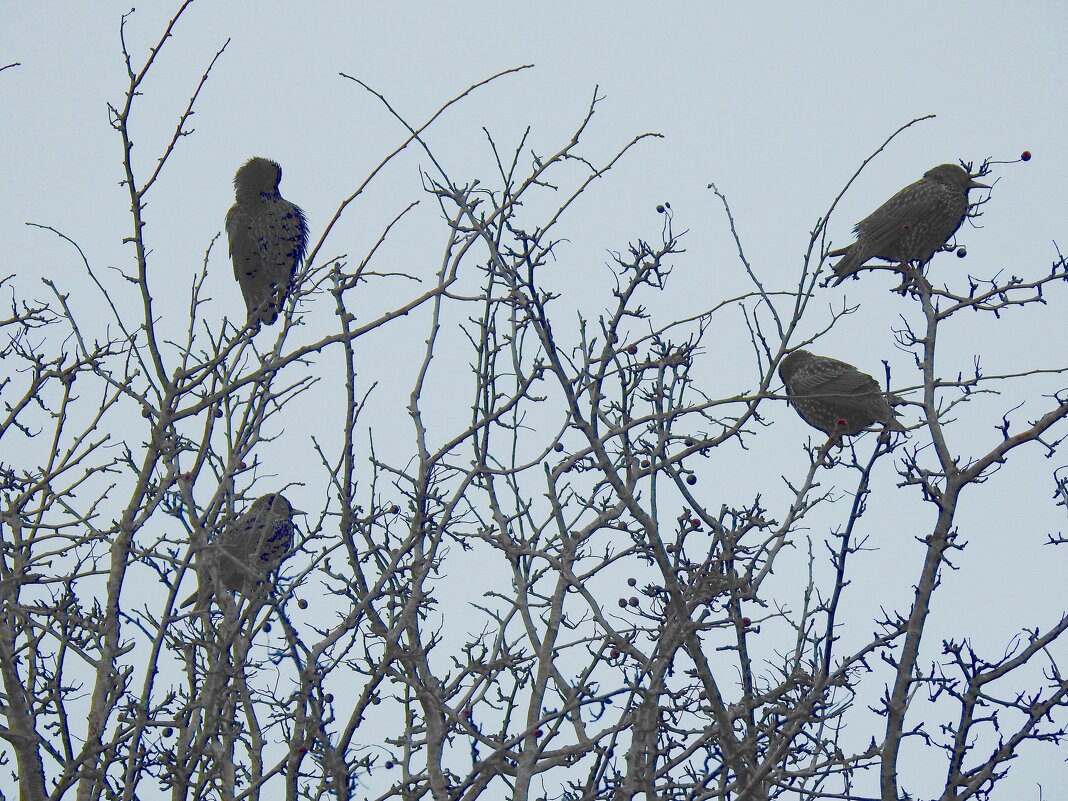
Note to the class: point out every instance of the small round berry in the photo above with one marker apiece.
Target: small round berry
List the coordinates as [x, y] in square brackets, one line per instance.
[395, 510]
[146, 412]
[746, 621]
[632, 350]
[622, 603]
[615, 653]
[646, 464]
[633, 582]
[241, 465]
[302, 603]
[660, 209]
[389, 764]
[695, 523]
[267, 626]
[219, 413]
[962, 252]
[537, 732]
[559, 447]
[1025, 156]
[633, 601]
[329, 698]
[691, 480]
[167, 732]
[690, 443]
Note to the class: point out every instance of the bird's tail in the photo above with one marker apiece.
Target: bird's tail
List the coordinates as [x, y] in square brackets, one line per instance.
[849, 264]
[893, 424]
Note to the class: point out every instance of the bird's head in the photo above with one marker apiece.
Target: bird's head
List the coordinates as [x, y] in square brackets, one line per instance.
[953, 175]
[257, 177]
[791, 364]
[274, 503]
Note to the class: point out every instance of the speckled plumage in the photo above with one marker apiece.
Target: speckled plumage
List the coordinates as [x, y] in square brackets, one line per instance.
[250, 549]
[833, 396]
[268, 237]
[913, 224]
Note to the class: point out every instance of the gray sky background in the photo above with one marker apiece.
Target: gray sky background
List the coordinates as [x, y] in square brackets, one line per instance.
[776, 103]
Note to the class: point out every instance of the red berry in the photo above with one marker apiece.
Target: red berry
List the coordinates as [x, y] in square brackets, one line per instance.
[1025, 156]
[615, 653]
[746, 621]
[632, 350]
[841, 422]
[695, 523]
[537, 732]
[691, 480]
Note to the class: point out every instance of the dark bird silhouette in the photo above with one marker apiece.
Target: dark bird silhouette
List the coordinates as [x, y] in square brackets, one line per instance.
[833, 396]
[913, 224]
[268, 236]
[250, 549]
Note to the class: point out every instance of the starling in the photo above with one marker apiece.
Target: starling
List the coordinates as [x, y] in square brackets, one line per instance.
[268, 236]
[913, 224]
[833, 396]
[250, 549]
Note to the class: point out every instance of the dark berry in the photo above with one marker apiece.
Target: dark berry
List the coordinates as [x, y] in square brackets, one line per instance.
[559, 447]
[302, 603]
[691, 480]
[632, 581]
[1025, 156]
[962, 252]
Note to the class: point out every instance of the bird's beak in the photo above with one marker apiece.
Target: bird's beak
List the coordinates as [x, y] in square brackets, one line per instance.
[973, 184]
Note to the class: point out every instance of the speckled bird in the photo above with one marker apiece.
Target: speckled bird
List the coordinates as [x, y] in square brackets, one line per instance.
[268, 236]
[250, 549]
[833, 396]
[912, 225]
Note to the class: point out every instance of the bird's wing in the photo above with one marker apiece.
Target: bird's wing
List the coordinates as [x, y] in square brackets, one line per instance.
[831, 377]
[247, 250]
[911, 206]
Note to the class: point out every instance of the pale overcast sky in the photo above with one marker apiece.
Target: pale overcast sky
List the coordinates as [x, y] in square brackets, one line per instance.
[777, 103]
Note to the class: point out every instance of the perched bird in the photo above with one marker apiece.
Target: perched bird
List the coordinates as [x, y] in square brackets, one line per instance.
[268, 236]
[833, 396]
[250, 549]
[913, 224]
